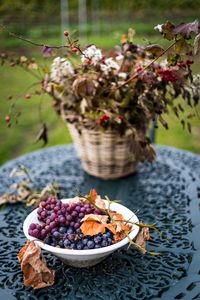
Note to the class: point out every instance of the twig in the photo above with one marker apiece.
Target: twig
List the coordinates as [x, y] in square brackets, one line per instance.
[30, 41]
[136, 74]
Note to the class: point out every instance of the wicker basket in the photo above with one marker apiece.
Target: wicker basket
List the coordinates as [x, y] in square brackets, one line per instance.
[106, 155]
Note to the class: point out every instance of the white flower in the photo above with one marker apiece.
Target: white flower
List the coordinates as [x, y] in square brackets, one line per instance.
[119, 57]
[159, 27]
[122, 75]
[109, 65]
[61, 68]
[164, 63]
[91, 54]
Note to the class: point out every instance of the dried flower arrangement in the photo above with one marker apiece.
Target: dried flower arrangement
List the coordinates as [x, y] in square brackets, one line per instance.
[125, 91]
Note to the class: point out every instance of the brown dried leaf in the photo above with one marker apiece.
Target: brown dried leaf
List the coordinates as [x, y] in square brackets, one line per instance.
[141, 239]
[92, 228]
[93, 217]
[155, 49]
[95, 199]
[182, 46]
[34, 268]
[23, 192]
[43, 134]
[167, 30]
[9, 198]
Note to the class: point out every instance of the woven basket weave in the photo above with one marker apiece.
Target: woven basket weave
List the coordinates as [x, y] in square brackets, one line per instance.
[106, 155]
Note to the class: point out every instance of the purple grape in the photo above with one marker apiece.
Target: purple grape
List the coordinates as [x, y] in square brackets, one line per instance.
[52, 217]
[74, 214]
[32, 226]
[69, 218]
[72, 224]
[76, 225]
[40, 209]
[78, 208]
[81, 215]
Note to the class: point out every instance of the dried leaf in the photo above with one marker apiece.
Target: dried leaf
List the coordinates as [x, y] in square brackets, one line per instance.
[93, 217]
[43, 134]
[163, 122]
[9, 198]
[167, 30]
[124, 39]
[189, 127]
[92, 228]
[33, 66]
[23, 192]
[182, 46]
[34, 268]
[197, 44]
[141, 239]
[23, 59]
[154, 49]
[116, 216]
[93, 195]
[185, 29]
[95, 199]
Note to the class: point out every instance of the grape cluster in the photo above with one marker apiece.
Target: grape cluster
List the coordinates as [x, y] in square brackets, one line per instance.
[60, 226]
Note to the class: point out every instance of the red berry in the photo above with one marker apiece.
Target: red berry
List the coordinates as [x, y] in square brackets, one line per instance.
[189, 62]
[27, 96]
[74, 49]
[89, 62]
[7, 119]
[66, 33]
[104, 118]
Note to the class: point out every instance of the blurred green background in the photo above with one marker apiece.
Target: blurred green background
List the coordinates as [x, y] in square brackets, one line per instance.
[98, 21]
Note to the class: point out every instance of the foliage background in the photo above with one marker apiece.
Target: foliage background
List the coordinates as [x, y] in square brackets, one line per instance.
[107, 20]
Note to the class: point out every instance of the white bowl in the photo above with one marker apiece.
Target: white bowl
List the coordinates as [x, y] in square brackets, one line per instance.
[84, 258]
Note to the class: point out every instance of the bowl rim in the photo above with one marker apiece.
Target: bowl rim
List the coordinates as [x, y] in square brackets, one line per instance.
[72, 252]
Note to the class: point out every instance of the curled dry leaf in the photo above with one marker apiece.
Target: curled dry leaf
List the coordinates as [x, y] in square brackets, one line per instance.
[95, 199]
[93, 217]
[33, 265]
[141, 239]
[9, 198]
[92, 227]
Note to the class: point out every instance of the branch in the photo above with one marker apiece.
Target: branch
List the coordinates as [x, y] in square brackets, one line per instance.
[31, 42]
[135, 75]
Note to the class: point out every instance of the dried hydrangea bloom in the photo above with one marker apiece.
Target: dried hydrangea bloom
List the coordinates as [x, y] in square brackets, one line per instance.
[91, 55]
[61, 68]
[109, 65]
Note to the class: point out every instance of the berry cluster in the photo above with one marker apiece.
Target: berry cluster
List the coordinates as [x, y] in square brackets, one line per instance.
[60, 226]
[168, 75]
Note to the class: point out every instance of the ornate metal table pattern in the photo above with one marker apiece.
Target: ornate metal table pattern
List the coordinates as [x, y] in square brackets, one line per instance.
[167, 191]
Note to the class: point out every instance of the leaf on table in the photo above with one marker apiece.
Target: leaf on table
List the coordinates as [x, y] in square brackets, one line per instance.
[141, 239]
[92, 227]
[23, 192]
[185, 29]
[33, 265]
[9, 198]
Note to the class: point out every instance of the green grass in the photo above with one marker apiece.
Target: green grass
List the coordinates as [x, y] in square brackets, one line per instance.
[19, 139]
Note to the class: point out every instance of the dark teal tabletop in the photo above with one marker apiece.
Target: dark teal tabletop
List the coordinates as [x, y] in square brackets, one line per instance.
[167, 192]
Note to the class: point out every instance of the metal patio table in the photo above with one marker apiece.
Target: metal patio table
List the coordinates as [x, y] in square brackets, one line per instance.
[167, 192]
